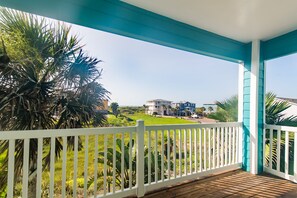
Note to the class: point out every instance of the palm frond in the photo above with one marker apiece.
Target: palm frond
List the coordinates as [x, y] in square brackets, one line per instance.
[35, 57]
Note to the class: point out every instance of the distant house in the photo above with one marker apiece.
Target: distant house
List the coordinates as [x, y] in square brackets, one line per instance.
[292, 110]
[210, 108]
[158, 106]
[184, 107]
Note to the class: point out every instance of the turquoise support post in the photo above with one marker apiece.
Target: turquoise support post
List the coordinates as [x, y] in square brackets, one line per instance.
[246, 110]
[253, 108]
[261, 109]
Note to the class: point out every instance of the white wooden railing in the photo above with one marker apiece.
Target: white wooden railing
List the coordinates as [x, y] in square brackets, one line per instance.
[194, 151]
[124, 161]
[280, 151]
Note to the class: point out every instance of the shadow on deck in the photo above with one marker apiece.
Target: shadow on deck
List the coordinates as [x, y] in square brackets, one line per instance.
[231, 184]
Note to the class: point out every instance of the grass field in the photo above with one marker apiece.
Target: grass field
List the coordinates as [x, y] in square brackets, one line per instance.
[152, 120]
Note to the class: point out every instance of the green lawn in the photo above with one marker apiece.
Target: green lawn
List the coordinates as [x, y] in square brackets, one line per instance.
[152, 120]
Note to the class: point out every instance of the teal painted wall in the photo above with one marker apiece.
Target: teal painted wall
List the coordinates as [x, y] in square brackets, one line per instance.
[246, 110]
[261, 109]
[280, 46]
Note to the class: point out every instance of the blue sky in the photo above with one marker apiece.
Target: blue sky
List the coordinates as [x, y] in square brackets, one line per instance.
[135, 71]
[281, 76]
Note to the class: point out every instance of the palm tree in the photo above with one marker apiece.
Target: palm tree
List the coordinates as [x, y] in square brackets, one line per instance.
[115, 108]
[227, 112]
[202, 110]
[164, 109]
[170, 109]
[274, 111]
[174, 110]
[177, 110]
[145, 108]
[127, 171]
[46, 82]
[210, 109]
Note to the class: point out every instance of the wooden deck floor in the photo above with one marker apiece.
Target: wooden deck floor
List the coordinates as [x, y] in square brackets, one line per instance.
[231, 184]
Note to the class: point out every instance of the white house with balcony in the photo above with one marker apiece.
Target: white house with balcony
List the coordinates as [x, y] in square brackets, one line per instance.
[158, 106]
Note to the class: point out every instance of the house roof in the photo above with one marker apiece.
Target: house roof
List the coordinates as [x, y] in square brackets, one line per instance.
[158, 100]
[184, 102]
[292, 100]
[241, 20]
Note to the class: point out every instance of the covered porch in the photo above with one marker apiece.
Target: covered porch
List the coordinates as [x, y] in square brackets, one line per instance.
[248, 33]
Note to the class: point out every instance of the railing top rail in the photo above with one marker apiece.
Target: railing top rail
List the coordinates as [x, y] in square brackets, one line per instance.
[282, 128]
[193, 126]
[7, 135]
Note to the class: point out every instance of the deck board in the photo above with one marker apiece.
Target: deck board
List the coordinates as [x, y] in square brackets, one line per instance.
[231, 184]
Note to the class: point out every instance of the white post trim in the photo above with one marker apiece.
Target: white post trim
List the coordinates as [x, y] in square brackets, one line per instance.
[264, 114]
[240, 106]
[140, 129]
[255, 65]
